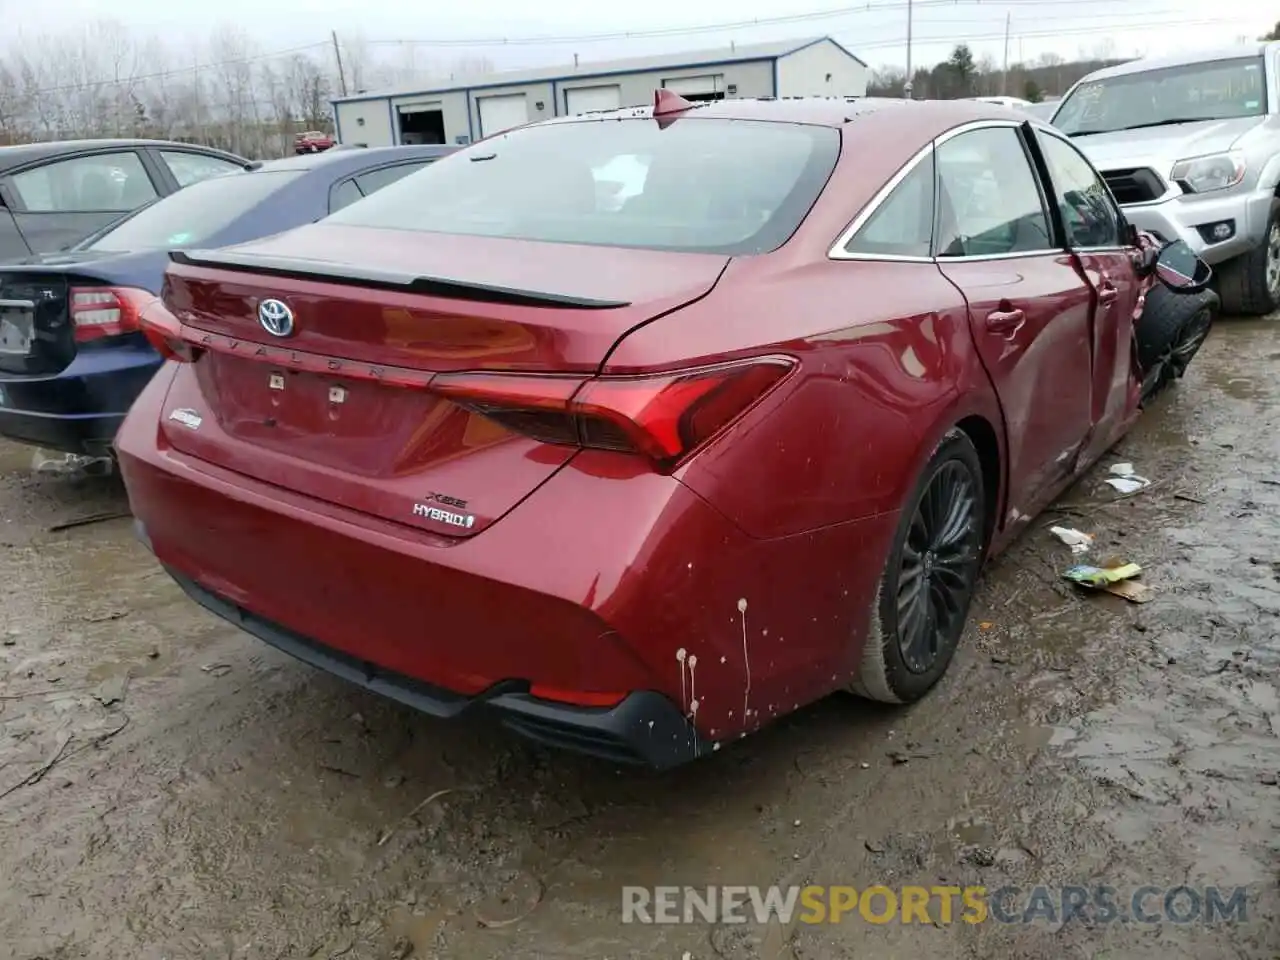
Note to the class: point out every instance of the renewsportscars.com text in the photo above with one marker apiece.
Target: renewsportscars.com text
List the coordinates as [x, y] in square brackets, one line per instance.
[934, 905]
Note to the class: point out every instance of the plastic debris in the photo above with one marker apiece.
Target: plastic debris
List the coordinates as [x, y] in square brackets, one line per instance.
[1125, 480]
[71, 464]
[1131, 590]
[1115, 578]
[1098, 577]
[1077, 540]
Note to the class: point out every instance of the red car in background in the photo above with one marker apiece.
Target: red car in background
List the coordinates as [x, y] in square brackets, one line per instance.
[313, 141]
[642, 477]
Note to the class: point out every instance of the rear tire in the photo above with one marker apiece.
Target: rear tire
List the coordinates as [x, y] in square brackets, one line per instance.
[929, 578]
[1250, 284]
[1170, 332]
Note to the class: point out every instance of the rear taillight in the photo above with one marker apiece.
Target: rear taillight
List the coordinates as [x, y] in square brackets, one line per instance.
[98, 312]
[164, 332]
[665, 417]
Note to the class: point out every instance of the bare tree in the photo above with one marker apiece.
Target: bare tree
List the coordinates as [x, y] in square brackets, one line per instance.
[309, 90]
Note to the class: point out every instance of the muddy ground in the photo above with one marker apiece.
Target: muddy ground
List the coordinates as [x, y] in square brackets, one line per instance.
[170, 787]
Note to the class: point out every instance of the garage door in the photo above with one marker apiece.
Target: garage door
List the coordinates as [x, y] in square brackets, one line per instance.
[695, 86]
[583, 99]
[502, 113]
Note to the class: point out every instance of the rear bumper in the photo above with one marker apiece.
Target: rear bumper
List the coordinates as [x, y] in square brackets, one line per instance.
[645, 728]
[90, 434]
[80, 409]
[611, 604]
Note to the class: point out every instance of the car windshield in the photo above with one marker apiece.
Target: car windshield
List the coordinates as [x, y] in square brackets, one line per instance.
[715, 186]
[1213, 90]
[195, 212]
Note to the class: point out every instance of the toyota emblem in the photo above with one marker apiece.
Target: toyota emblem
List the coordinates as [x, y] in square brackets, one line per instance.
[276, 317]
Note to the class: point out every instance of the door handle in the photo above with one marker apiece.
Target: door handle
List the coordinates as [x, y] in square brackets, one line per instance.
[1107, 293]
[1005, 321]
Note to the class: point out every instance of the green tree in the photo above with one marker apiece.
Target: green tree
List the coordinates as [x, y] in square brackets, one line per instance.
[962, 69]
[1031, 91]
[1272, 34]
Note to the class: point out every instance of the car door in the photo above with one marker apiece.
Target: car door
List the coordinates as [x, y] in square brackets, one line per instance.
[1095, 231]
[1029, 306]
[60, 201]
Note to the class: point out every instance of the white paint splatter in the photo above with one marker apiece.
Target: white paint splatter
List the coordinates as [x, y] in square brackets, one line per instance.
[746, 658]
[682, 655]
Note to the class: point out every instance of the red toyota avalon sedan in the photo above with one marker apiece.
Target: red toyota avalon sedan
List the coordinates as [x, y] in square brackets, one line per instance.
[643, 463]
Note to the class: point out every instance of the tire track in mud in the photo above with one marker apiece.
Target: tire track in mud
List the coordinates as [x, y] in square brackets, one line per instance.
[1078, 739]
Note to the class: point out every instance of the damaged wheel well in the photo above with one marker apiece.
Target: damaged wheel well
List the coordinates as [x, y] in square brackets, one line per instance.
[983, 437]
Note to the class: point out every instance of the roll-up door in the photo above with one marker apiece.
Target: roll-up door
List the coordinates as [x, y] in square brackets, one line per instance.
[502, 113]
[584, 99]
[695, 86]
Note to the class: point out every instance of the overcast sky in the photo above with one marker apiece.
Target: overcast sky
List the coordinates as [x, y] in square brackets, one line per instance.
[873, 29]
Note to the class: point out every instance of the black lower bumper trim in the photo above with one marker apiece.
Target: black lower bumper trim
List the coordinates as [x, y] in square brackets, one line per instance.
[79, 435]
[645, 728]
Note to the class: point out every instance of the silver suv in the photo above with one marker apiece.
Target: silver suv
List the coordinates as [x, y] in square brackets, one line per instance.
[1190, 146]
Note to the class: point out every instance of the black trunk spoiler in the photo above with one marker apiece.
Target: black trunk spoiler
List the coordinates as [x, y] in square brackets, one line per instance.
[307, 269]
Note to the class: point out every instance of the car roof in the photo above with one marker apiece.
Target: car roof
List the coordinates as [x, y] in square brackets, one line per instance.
[24, 153]
[339, 160]
[1184, 59]
[927, 117]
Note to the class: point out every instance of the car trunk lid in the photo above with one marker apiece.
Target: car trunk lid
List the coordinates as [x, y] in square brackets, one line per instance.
[345, 407]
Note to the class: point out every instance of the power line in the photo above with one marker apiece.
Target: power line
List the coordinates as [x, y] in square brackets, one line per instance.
[952, 38]
[181, 71]
[661, 32]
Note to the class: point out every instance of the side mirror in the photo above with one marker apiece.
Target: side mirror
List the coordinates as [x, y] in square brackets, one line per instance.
[1180, 269]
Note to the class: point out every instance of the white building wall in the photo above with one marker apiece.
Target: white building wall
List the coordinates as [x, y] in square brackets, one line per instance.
[747, 79]
[820, 70]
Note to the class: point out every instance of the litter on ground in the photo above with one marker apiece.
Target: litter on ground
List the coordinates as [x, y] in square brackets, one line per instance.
[1077, 540]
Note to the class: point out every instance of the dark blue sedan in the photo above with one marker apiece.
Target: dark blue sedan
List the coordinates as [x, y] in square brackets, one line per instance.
[72, 358]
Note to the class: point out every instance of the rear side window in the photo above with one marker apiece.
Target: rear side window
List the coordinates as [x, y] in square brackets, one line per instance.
[375, 180]
[187, 167]
[104, 181]
[989, 203]
[902, 226]
[714, 186]
[343, 195]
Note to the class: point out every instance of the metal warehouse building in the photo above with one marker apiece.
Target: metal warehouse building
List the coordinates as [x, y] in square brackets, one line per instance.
[462, 112]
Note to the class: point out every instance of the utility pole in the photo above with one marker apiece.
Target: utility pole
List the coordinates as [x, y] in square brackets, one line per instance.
[195, 92]
[906, 87]
[1004, 80]
[337, 54]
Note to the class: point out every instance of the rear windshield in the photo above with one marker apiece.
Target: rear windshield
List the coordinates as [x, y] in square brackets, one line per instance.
[715, 186]
[195, 213]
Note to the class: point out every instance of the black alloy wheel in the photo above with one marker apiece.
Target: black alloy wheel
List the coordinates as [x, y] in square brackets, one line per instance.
[939, 565]
[929, 577]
